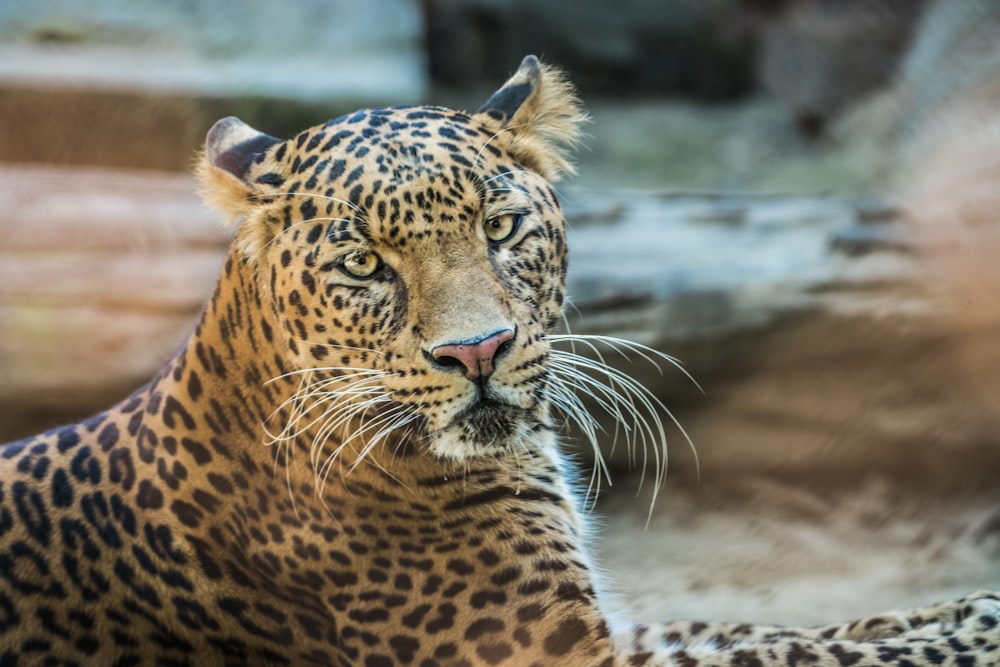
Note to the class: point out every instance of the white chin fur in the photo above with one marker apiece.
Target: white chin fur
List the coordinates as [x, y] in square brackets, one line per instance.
[458, 443]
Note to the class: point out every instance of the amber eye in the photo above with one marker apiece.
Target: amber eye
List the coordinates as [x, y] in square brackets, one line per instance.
[362, 264]
[502, 227]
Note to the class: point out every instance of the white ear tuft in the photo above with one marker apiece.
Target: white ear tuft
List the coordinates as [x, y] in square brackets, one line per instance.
[540, 114]
[227, 166]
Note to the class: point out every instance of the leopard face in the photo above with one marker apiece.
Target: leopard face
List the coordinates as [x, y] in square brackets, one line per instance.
[413, 260]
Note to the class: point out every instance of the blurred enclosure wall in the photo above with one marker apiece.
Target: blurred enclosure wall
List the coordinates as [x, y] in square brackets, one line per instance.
[794, 197]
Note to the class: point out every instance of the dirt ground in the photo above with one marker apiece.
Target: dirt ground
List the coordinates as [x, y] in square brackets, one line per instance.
[770, 552]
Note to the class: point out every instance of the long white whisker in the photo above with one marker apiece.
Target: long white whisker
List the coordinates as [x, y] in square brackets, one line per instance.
[504, 174]
[325, 403]
[393, 421]
[627, 391]
[479, 155]
[385, 420]
[565, 399]
[329, 369]
[314, 391]
[337, 419]
[633, 407]
[639, 349]
[646, 352]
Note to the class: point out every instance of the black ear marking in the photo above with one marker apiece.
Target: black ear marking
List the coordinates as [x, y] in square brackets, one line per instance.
[505, 102]
[234, 146]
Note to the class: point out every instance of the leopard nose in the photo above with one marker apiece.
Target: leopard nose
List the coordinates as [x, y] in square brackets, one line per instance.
[477, 356]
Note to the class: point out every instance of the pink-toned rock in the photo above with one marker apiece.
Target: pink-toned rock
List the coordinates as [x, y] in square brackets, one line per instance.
[102, 272]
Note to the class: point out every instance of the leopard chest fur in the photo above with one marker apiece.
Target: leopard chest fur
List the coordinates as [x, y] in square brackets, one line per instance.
[481, 565]
[400, 562]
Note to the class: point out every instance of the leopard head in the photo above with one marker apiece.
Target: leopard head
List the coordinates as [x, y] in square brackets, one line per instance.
[410, 263]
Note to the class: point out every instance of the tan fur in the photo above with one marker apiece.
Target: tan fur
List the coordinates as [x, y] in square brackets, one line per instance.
[238, 200]
[223, 191]
[547, 129]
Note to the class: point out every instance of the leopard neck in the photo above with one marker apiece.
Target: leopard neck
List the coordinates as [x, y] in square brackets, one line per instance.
[210, 402]
[229, 372]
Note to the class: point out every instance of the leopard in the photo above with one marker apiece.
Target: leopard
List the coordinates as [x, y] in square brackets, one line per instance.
[354, 458]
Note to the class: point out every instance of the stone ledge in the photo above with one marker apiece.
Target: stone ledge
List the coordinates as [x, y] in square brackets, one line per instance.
[816, 362]
[137, 83]
[318, 50]
[391, 76]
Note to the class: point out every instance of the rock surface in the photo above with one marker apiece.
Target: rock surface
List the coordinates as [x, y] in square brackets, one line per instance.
[825, 348]
[631, 47]
[138, 83]
[795, 554]
[821, 58]
[805, 319]
[369, 50]
[101, 275]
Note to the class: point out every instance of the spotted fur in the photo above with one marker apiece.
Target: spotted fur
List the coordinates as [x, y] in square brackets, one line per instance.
[352, 459]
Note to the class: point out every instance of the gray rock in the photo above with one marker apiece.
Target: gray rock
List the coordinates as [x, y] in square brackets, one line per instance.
[303, 49]
[630, 47]
[821, 58]
[816, 363]
[819, 342]
[125, 83]
[679, 268]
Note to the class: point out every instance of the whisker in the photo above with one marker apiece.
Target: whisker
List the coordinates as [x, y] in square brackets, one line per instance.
[338, 346]
[328, 369]
[598, 393]
[389, 421]
[624, 389]
[617, 344]
[392, 422]
[511, 172]
[566, 400]
[339, 418]
[634, 408]
[479, 155]
[326, 402]
[314, 390]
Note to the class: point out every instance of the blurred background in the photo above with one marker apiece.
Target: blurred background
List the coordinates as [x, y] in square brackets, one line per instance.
[796, 198]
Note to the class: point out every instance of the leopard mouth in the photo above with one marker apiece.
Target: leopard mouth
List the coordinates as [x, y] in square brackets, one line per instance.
[487, 427]
[491, 422]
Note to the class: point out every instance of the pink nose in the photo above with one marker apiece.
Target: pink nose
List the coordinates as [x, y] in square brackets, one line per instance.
[477, 356]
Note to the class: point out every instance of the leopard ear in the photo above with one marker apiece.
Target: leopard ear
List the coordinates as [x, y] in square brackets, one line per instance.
[231, 171]
[539, 116]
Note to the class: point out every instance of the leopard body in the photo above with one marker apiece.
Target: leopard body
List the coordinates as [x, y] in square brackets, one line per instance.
[352, 460]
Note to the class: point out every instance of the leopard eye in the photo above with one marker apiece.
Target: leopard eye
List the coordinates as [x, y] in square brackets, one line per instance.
[502, 227]
[362, 264]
